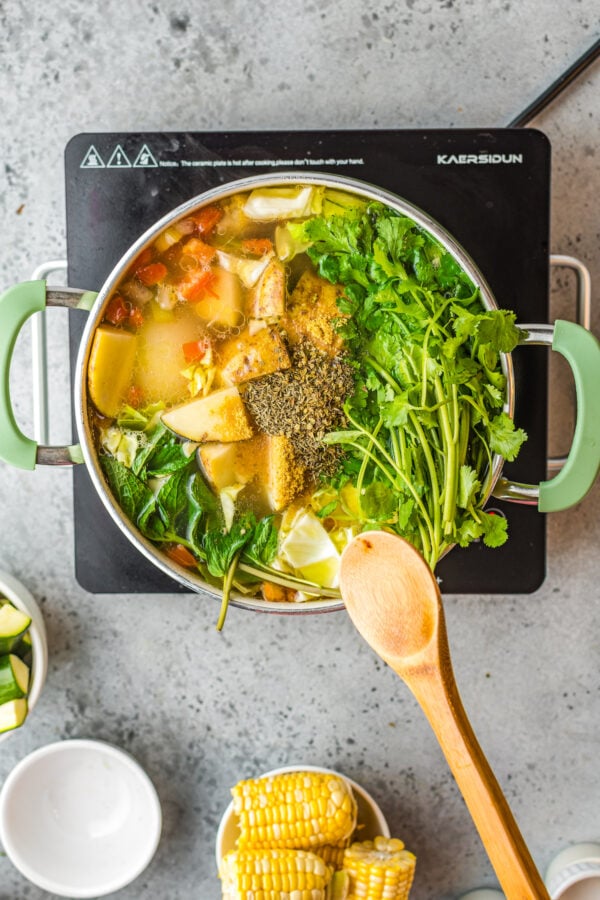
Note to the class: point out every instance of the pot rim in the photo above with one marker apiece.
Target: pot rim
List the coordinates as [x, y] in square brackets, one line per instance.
[271, 179]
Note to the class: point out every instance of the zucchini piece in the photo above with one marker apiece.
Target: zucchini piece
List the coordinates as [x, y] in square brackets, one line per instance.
[13, 625]
[12, 714]
[14, 678]
[24, 648]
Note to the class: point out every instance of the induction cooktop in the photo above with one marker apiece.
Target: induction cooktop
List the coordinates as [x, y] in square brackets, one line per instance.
[489, 188]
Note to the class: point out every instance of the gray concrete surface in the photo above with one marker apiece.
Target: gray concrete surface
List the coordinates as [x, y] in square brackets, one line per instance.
[199, 709]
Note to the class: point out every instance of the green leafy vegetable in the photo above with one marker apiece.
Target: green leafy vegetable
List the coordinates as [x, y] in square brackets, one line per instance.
[426, 417]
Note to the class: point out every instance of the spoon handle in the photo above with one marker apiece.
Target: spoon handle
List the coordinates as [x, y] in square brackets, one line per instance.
[507, 851]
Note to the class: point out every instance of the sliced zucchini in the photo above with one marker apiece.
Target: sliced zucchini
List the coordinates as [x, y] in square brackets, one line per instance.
[24, 648]
[12, 714]
[14, 678]
[13, 624]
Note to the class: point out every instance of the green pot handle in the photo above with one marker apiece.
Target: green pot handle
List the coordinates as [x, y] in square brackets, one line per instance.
[17, 304]
[582, 351]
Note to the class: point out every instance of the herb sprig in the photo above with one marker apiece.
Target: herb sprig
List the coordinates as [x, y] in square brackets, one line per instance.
[427, 415]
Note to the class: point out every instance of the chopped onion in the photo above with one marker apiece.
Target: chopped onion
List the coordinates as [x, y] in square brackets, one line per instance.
[248, 270]
[269, 204]
[166, 296]
[136, 292]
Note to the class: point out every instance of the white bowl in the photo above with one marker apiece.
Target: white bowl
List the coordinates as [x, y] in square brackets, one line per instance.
[79, 818]
[370, 818]
[20, 597]
[575, 873]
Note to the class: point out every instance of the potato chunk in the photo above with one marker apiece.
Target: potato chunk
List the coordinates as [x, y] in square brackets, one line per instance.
[311, 312]
[110, 368]
[220, 416]
[267, 298]
[251, 356]
[223, 303]
[219, 464]
[285, 478]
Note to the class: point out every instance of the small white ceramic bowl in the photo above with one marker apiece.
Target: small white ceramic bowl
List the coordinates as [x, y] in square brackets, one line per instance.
[20, 597]
[575, 873]
[79, 818]
[370, 819]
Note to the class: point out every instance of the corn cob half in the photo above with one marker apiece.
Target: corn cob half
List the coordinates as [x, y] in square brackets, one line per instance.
[379, 870]
[294, 810]
[274, 875]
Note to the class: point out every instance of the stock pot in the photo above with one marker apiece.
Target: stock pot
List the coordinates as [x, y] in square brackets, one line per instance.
[575, 343]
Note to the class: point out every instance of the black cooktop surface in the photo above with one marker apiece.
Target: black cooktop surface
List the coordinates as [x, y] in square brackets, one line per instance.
[489, 188]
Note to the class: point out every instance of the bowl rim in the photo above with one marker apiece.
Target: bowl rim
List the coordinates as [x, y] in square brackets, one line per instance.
[357, 789]
[77, 745]
[16, 592]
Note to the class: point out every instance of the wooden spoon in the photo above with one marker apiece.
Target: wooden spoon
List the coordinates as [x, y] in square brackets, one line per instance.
[395, 603]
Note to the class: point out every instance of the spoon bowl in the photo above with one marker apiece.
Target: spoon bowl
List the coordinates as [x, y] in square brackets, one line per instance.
[394, 601]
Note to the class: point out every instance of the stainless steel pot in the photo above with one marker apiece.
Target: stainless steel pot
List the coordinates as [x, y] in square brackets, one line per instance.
[577, 344]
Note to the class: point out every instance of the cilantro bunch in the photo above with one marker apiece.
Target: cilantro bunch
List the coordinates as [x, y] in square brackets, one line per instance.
[426, 416]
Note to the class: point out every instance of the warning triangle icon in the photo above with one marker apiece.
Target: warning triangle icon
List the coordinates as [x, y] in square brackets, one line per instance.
[92, 160]
[118, 159]
[145, 159]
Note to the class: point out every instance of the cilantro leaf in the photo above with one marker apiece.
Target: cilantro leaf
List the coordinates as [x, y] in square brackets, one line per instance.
[505, 439]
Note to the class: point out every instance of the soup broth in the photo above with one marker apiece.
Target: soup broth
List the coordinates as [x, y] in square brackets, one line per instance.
[286, 367]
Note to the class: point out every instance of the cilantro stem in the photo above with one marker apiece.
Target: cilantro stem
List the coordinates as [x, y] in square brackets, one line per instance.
[266, 573]
[227, 583]
[363, 468]
[402, 475]
[450, 461]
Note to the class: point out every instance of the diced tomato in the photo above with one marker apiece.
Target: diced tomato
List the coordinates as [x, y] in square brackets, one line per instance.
[143, 259]
[152, 274]
[200, 251]
[180, 554]
[135, 396]
[194, 351]
[136, 317]
[195, 284]
[117, 310]
[207, 218]
[258, 246]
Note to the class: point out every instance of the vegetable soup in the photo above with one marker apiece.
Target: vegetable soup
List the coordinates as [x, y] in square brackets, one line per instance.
[288, 367]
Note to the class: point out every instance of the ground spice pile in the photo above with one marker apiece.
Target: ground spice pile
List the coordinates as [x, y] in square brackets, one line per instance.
[304, 402]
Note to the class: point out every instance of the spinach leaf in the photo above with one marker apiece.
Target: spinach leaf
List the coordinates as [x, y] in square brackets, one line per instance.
[134, 497]
[262, 546]
[221, 546]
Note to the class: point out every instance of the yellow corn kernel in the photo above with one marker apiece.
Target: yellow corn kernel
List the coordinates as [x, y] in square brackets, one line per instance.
[379, 870]
[294, 810]
[332, 855]
[274, 875]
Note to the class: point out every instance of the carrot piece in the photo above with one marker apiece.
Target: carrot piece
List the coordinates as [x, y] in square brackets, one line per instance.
[142, 259]
[152, 274]
[180, 554]
[207, 218]
[136, 317]
[194, 351]
[200, 251]
[258, 246]
[195, 283]
[135, 396]
[117, 310]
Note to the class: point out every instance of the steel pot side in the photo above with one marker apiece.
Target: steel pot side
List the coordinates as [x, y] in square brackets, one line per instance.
[579, 346]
